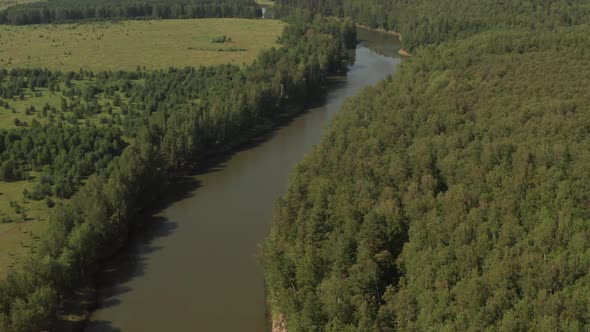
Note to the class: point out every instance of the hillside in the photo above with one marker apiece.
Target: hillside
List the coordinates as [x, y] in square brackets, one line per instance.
[452, 196]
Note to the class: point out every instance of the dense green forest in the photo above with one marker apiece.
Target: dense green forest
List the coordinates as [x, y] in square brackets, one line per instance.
[58, 11]
[373, 13]
[159, 121]
[453, 196]
[427, 21]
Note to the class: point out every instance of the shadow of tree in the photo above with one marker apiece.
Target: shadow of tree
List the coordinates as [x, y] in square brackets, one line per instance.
[130, 262]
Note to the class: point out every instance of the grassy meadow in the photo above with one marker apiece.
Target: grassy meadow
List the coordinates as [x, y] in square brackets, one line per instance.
[18, 237]
[268, 3]
[16, 240]
[8, 3]
[127, 44]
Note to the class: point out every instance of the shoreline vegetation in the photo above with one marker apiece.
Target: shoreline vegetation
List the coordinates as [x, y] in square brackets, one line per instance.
[77, 305]
[96, 221]
[452, 195]
[401, 51]
[76, 309]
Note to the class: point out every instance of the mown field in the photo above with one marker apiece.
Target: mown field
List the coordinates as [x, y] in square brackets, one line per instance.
[128, 44]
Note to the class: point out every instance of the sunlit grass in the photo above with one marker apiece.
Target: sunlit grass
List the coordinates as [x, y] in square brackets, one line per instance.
[128, 44]
[8, 3]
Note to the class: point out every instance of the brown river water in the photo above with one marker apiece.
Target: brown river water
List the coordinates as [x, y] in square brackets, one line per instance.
[195, 267]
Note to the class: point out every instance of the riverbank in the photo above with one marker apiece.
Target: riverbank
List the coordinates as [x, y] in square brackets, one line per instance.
[210, 233]
[101, 214]
[403, 52]
[78, 305]
[76, 309]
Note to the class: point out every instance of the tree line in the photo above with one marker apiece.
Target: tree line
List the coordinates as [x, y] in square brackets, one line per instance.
[428, 21]
[175, 117]
[454, 195]
[60, 11]
[372, 13]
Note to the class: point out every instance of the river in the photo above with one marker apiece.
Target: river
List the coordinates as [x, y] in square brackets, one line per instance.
[195, 268]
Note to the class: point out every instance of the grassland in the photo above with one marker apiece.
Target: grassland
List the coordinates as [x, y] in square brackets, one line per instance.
[8, 3]
[18, 237]
[268, 3]
[128, 44]
[16, 240]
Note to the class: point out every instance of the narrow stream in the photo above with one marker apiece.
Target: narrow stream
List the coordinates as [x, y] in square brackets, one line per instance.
[195, 268]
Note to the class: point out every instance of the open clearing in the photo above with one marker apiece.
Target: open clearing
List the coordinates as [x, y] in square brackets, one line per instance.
[128, 44]
[17, 240]
[8, 3]
[268, 3]
[18, 237]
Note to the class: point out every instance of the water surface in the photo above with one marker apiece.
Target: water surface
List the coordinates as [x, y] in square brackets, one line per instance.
[195, 267]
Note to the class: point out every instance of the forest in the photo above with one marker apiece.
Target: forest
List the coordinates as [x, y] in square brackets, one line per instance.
[372, 13]
[453, 196]
[429, 22]
[60, 11]
[158, 121]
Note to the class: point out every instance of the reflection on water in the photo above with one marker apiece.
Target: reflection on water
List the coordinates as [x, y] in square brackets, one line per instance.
[379, 42]
[194, 267]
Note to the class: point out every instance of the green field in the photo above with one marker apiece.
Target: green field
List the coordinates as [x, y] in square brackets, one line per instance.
[16, 240]
[268, 3]
[8, 3]
[128, 44]
[18, 237]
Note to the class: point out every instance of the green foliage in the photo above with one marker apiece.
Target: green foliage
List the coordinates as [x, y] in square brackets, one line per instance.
[70, 154]
[59, 11]
[172, 117]
[454, 195]
[33, 313]
[221, 40]
[432, 21]
[373, 13]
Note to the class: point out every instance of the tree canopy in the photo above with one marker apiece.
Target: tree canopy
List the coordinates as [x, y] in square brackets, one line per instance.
[434, 21]
[164, 120]
[59, 11]
[454, 195]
